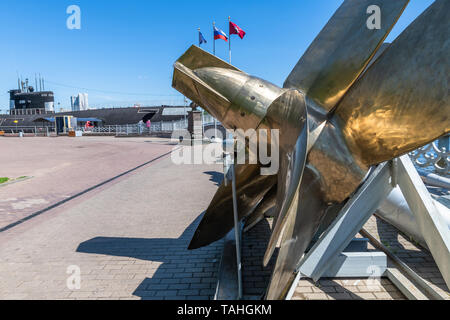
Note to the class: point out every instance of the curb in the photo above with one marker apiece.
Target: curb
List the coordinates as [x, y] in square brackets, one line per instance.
[14, 181]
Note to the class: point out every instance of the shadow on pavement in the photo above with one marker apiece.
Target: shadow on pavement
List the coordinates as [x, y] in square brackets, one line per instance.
[256, 277]
[216, 177]
[183, 274]
[419, 259]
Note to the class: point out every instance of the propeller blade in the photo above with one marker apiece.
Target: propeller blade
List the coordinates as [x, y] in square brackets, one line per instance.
[289, 179]
[218, 219]
[236, 99]
[302, 221]
[342, 50]
[264, 208]
[402, 101]
[188, 83]
[289, 115]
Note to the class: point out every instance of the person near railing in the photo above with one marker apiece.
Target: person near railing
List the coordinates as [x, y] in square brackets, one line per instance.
[88, 125]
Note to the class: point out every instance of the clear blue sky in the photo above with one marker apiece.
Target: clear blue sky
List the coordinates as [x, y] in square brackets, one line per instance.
[130, 46]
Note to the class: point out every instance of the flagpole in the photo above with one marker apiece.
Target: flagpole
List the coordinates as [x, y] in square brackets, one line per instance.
[229, 37]
[214, 40]
[199, 42]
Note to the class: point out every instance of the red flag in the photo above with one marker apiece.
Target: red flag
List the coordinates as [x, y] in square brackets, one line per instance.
[234, 29]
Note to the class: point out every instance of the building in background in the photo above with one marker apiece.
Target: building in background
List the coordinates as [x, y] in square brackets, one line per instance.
[26, 101]
[79, 102]
[107, 117]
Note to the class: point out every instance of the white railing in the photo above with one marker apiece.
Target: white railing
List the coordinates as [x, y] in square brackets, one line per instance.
[128, 129]
[433, 158]
[36, 130]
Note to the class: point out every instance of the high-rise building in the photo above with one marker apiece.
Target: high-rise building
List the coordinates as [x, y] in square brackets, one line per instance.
[79, 102]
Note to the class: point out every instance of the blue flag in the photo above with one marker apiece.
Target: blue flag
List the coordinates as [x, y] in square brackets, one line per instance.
[201, 39]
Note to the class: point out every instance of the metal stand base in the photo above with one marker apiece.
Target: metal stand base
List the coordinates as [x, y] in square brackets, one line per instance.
[348, 223]
[354, 262]
[227, 287]
[326, 256]
[358, 265]
[331, 255]
[357, 262]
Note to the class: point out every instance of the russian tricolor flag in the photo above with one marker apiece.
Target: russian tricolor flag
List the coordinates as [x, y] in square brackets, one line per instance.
[219, 34]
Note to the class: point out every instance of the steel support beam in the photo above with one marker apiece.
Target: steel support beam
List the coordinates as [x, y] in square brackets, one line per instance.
[358, 265]
[350, 220]
[431, 224]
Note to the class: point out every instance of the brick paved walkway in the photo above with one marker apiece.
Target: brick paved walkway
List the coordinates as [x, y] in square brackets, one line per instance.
[255, 278]
[417, 258]
[347, 289]
[61, 167]
[129, 240]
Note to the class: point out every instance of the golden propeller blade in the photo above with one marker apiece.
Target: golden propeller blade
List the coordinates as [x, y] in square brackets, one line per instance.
[342, 50]
[338, 117]
[287, 112]
[233, 97]
[397, 94]
[264, 208]
[238, 101]
[330, 176]
[218, 218]
[306, 212]
[289, 115]
[402, 100]
[380, 51]
[289, 181]
[193, 87]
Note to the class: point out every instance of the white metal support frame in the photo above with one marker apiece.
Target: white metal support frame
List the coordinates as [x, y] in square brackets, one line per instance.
[433, 227]
[348, 223]
[327, 250]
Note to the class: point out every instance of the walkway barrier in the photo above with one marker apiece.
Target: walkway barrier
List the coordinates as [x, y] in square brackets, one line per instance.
[137, 129]
[27, 130]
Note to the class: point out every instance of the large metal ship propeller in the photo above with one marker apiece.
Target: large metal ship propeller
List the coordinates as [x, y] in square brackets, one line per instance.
[344, 108]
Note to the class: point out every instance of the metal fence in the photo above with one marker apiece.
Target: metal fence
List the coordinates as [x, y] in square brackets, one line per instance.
[133, 129]
[434, 157]
[33, 130]
[127, 129]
